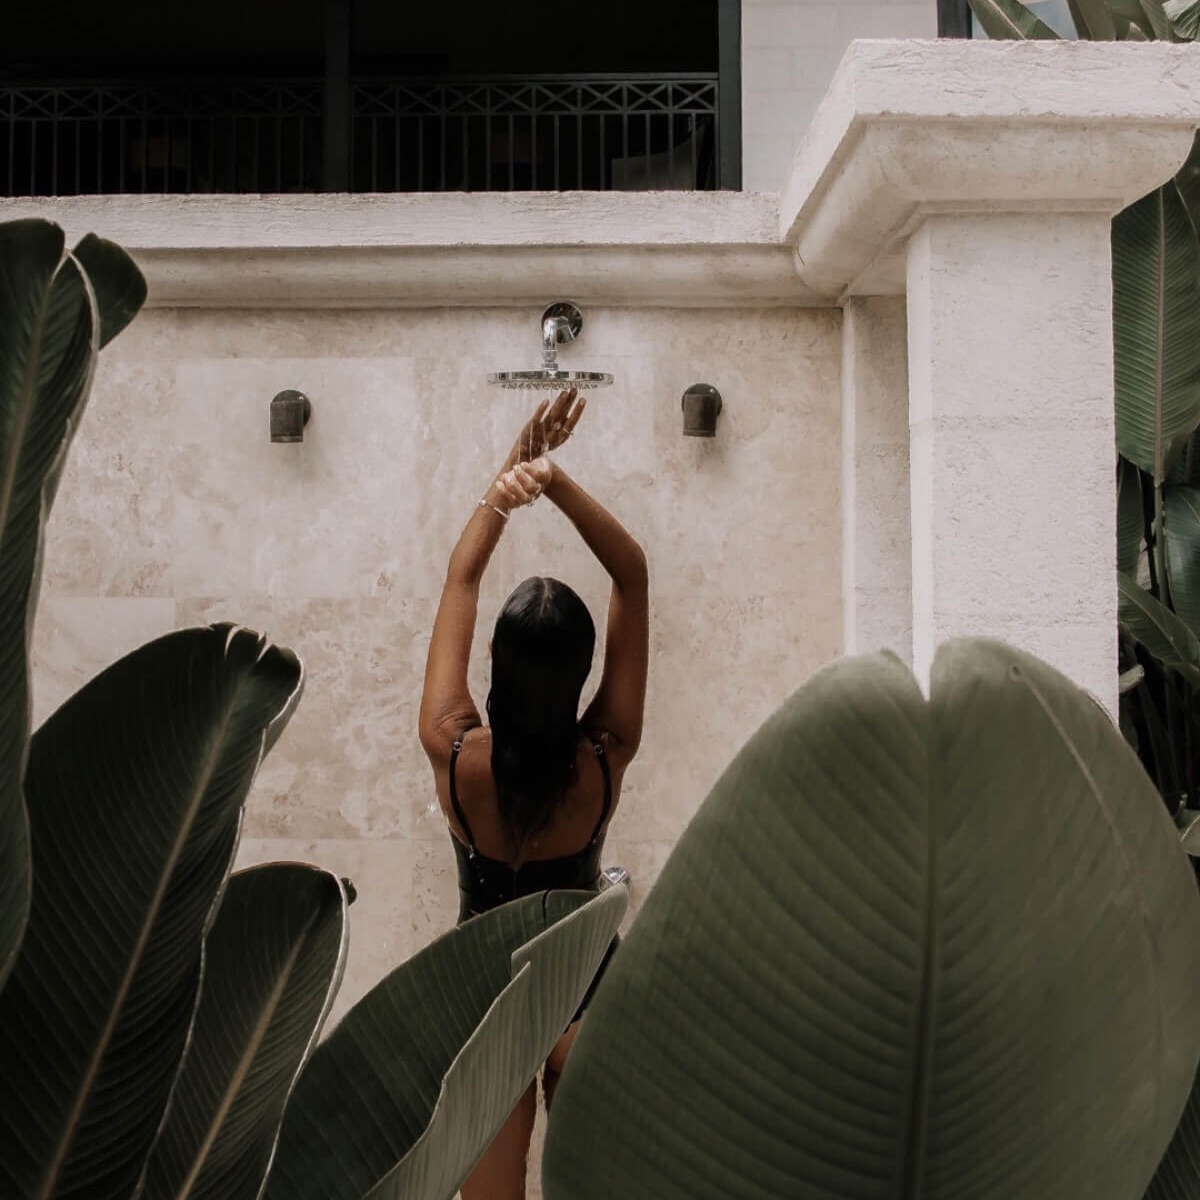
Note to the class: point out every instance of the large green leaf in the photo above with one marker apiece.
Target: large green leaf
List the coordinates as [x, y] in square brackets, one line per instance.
[1182, 505]
[272, 964]
[1187, 179]
[1185, 463]
[1156, 627]
[118, 285]
[1006, 20]
[135, 788]
[48, 342]
[1148, 16]
[906, 949]
[1184, 16]
[1092, 20]
[1156, 315]
[404, 1096]
[1157, 23]
[1130, 521]
[1178, 1174]
[47, 352]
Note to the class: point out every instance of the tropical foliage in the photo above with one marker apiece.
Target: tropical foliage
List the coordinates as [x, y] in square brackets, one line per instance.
[158, 1017]
[1156, 352]
[907, 949]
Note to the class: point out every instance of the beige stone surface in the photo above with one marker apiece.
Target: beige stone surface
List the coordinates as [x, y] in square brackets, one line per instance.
[177, 510]
[346, 764]
[111, 529]
[77, 637]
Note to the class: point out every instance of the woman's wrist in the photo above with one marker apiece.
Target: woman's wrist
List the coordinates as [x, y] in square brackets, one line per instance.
[495, 499]
[558, 479]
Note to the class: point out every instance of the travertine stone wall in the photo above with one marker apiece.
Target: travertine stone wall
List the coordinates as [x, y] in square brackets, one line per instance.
[176, 509]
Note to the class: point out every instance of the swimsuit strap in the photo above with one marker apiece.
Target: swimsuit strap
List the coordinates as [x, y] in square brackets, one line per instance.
[602, 759]
[458, 812]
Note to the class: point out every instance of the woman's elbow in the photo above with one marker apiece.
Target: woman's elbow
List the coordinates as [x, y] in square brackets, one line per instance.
[636, 572]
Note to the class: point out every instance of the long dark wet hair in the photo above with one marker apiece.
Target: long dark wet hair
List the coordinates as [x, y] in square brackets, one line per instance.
[541, 654]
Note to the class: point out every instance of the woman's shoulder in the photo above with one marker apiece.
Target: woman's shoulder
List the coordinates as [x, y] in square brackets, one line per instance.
[605, 743]
[452, 738]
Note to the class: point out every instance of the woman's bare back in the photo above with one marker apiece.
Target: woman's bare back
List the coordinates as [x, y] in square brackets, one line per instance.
[574, 820]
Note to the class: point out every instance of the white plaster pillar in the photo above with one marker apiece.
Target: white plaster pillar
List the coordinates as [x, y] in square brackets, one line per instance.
[876, 541]
[979, 181]
[1011, 438]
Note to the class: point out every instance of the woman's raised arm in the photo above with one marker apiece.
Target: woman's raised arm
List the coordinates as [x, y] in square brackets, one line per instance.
[621, 699]
[447, 707]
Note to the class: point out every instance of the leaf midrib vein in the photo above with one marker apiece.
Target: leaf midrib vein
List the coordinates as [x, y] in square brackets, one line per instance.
[70, 1128]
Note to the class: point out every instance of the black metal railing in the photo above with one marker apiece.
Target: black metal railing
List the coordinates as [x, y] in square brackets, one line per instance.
[552, 133]
[495, 134]
[160, 137]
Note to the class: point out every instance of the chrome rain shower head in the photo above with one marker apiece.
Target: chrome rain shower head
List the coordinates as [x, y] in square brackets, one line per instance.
[561, 323]
[550, 379]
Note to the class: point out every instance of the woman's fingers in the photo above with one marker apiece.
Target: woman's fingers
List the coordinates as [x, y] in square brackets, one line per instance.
[557, 421]
[532, 435]
[573, 418]
[520, 485]
[528, 480]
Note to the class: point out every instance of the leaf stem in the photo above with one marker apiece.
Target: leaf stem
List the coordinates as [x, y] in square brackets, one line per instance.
[1148, 525]
[1160, 549]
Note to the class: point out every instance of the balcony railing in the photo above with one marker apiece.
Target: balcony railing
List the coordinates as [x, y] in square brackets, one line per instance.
[595, 132]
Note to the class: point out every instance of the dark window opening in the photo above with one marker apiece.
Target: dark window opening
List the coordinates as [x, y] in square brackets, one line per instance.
[368, 95]
[953, 18]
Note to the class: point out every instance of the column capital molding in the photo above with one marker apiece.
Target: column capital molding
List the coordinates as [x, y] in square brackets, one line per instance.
[913, 128]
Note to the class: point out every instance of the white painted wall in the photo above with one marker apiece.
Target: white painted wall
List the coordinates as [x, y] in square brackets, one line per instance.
[790, 50]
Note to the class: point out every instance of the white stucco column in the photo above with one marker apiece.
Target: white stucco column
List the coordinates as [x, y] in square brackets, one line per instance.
[876, 530]
[979, 181]
[1011, 438]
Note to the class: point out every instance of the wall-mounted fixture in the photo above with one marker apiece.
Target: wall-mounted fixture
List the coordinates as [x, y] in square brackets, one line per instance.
[701, 406]
[290, 412]
[561, 323]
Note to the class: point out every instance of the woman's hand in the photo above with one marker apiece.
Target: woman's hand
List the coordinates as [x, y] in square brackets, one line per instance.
[523, 484]
[549, 427]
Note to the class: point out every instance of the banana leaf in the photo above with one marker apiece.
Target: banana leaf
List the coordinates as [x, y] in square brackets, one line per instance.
[1152, 624]
[1178, 1174]
[1157, 750]
[272, 964]
[1156, 312]
[48, 342]
[1187, 179]
[1130, 521]
[1092, 20]
[47, 349]
[1006, 20]
[1146, 16]
[1157, 24]
[405, 1095]
[119, 287]
[906, 948]
[1184, 16]
[1185, 463]
[1182, 537]
[135, 788]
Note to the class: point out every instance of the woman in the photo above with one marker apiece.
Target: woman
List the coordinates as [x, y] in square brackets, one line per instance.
[528, 797]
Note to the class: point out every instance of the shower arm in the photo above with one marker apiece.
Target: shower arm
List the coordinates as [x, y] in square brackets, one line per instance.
[550, 339]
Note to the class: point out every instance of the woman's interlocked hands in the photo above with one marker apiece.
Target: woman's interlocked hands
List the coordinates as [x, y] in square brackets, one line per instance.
[525, 482]
[550, 425]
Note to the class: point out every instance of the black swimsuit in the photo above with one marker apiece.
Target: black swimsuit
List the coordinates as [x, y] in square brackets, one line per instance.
[485, 883]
